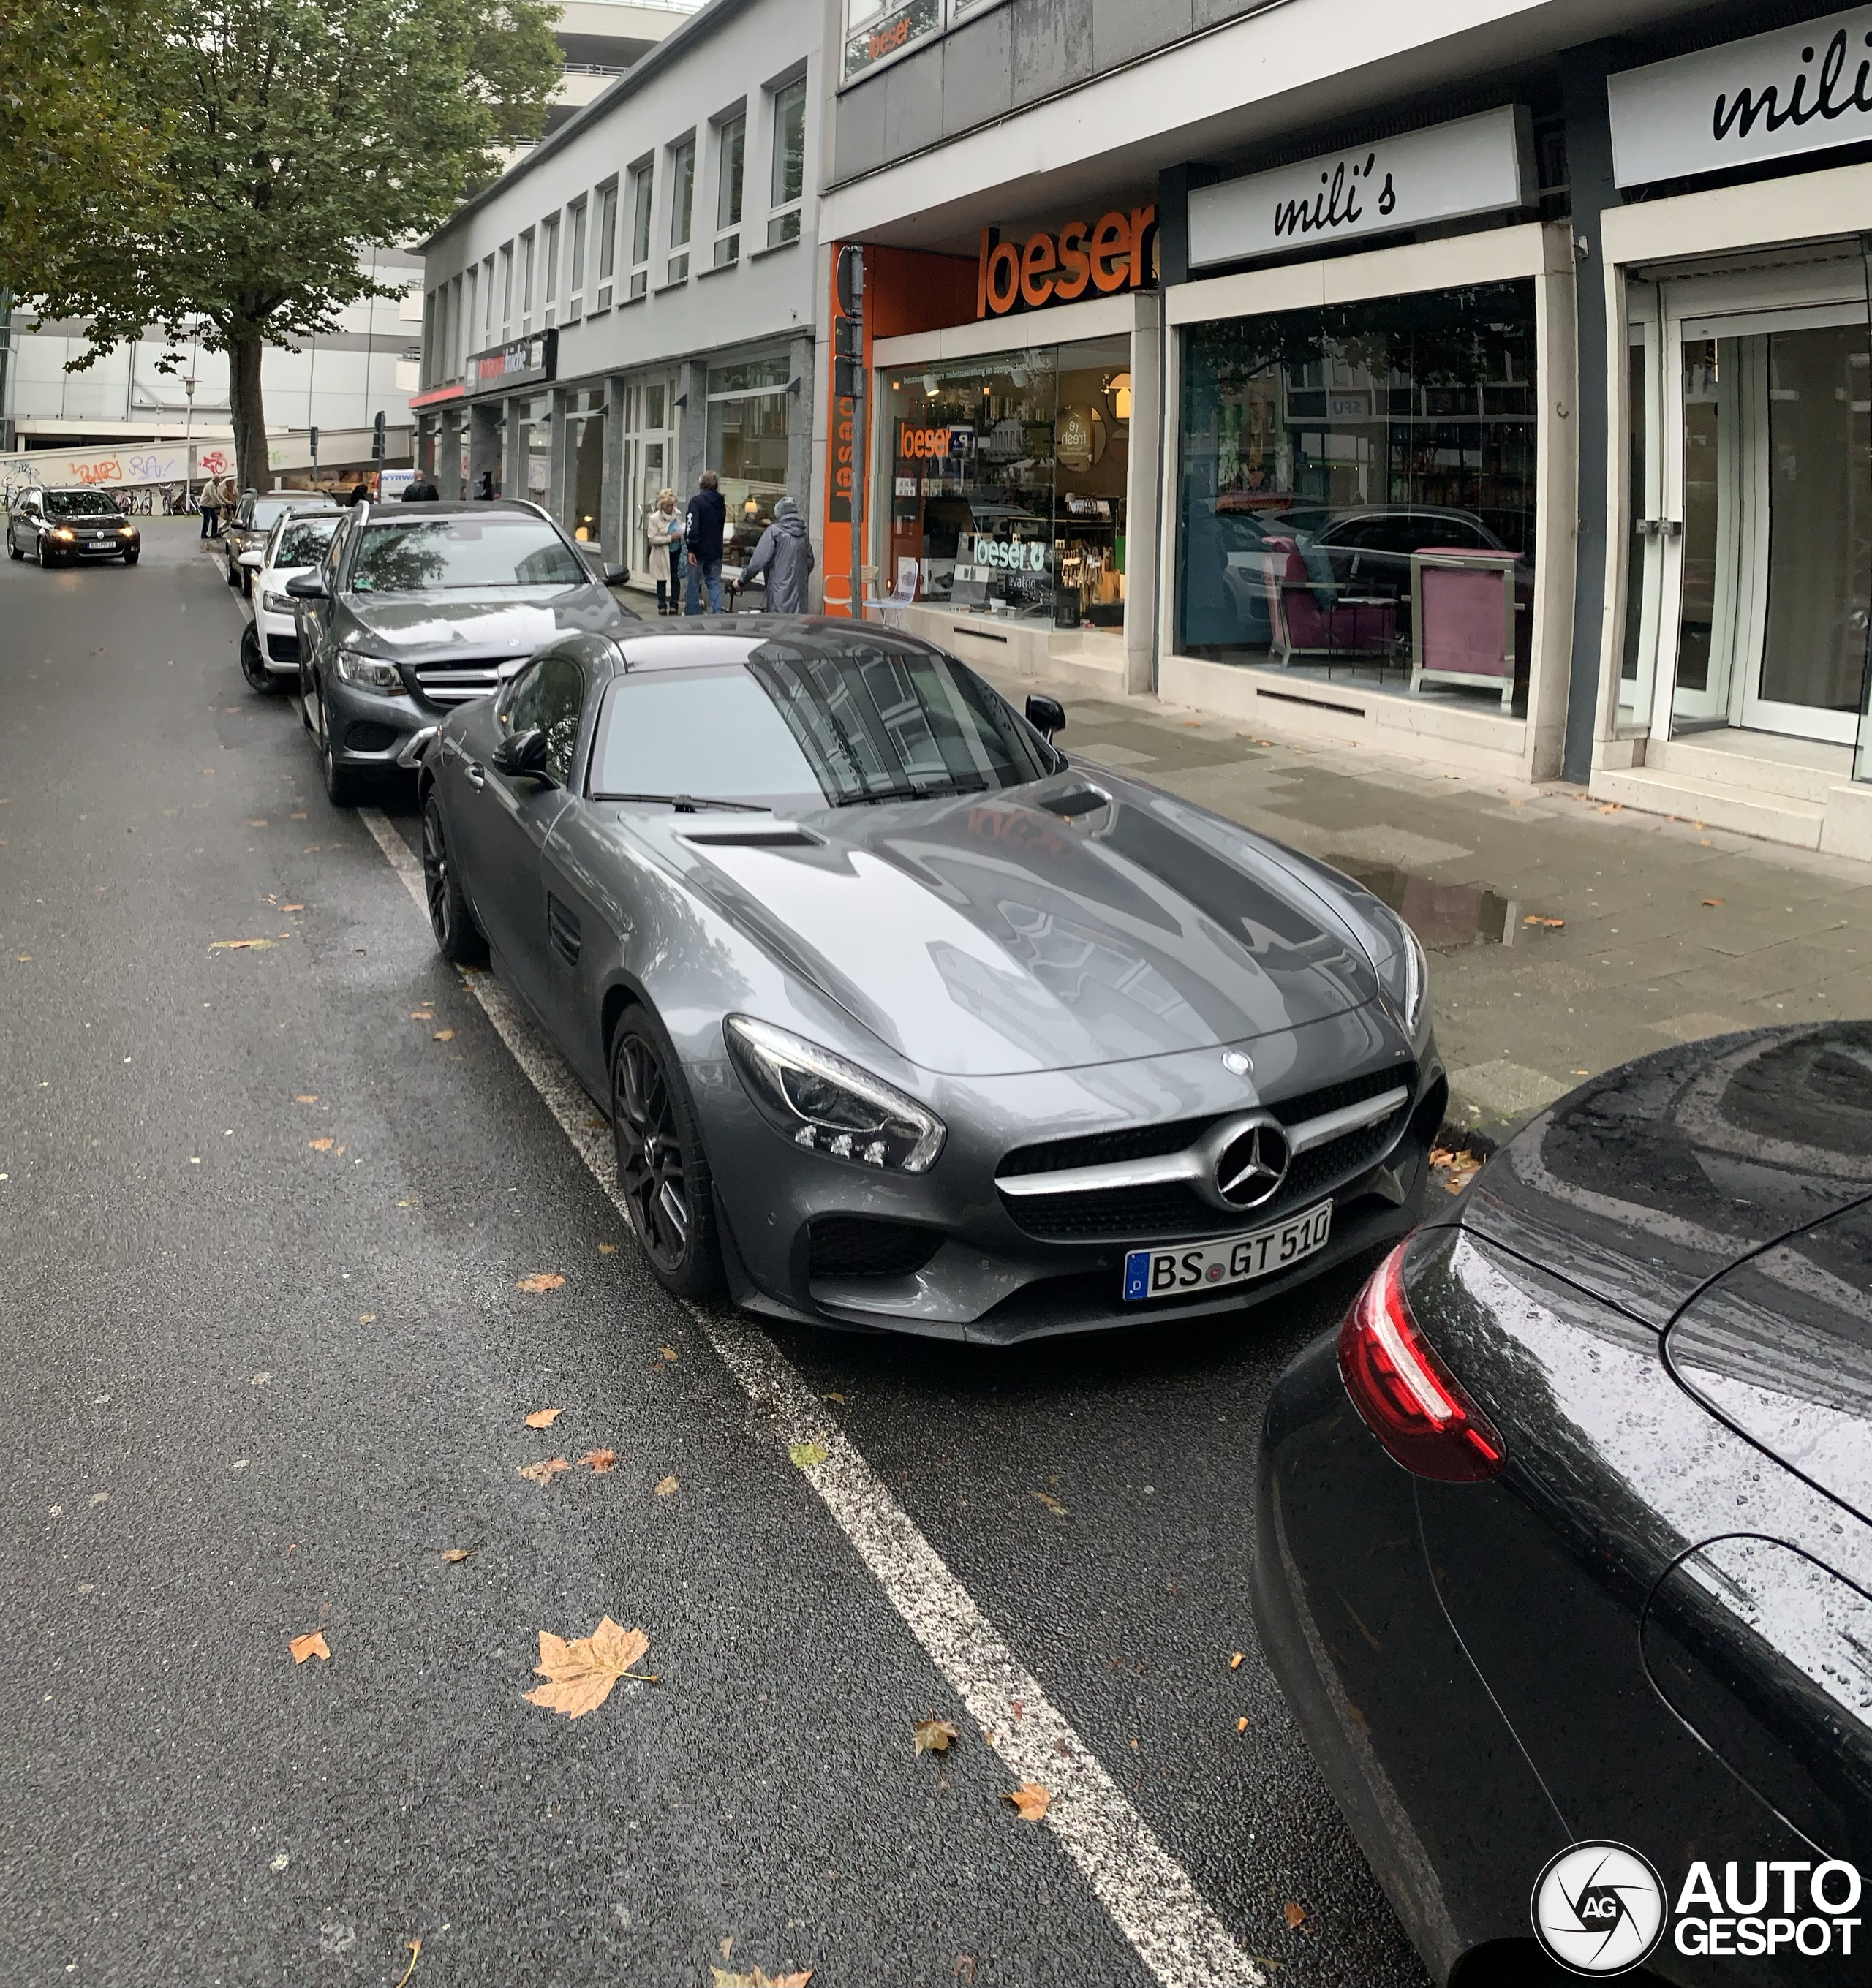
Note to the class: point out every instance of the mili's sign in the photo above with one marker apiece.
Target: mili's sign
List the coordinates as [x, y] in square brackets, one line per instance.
[1478, 165]
[1796, 89]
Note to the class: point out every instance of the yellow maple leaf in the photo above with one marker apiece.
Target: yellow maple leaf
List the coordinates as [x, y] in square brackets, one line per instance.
[1031, 1800]
[666, 1486]
[599, 1461]
[754, 1978]
[313, 1645]
[931, 1736]
[543, 1417]
[580, 1675]
[545, 1470]
[541, 1280]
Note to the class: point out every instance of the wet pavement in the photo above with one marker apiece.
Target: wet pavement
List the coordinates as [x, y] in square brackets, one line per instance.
[1565, 935]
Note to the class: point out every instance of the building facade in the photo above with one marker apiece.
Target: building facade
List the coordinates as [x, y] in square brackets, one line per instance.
[633, 301]
[1486, 384]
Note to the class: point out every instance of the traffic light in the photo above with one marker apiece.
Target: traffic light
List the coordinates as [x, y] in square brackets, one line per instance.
[312, 433]
[377, 437]
[852, 279]
[849, 328]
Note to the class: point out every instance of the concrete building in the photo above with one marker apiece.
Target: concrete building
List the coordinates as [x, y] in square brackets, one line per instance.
[634, 299]
[1487, 382]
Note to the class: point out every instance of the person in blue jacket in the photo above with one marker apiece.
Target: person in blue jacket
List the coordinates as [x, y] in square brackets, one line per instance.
[708, 516]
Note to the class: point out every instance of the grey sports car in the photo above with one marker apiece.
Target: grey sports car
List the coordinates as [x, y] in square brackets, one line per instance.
[902, 1019]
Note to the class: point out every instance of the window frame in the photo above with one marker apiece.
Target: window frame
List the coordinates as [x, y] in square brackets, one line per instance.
[581, 211]
[786, 214]
[506, 291]
[730, 129]
[682, 209]
[643, 224]
[607, 245]
[549, 269]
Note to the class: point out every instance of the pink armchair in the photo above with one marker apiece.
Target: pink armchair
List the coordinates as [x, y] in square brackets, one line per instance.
[1347, 624]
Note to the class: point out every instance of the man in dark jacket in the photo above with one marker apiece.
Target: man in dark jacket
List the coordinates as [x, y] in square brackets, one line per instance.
[708, 516]
[785, 554]
[420, 490]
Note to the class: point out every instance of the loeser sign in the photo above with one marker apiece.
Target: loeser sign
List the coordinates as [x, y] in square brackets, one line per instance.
[1117, 252]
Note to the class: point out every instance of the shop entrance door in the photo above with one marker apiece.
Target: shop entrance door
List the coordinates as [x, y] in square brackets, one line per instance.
[1752, 556]
[649, 456]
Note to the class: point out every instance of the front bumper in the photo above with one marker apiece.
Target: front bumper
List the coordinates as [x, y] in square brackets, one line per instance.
[987, 1278]
[279, 639]
[370, 728]
[104, 546]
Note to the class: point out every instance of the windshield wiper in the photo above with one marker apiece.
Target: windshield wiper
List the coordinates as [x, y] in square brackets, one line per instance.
[691, 803]
[913, 790]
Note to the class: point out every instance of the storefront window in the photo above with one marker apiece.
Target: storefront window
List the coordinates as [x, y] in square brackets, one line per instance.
[1356, 494]
[1008, 478]
[536, 420]
[585, 454]
[750, 418]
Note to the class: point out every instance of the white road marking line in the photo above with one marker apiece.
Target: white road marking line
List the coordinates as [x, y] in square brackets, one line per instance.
[1151, 1898]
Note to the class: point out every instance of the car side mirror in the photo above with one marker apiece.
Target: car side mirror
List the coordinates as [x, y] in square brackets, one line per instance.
[306, 586]
[616, 575]
[1047, 716]
[252, 561]
[521, 755]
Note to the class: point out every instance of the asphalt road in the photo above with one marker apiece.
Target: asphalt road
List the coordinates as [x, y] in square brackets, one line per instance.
[265, 1358]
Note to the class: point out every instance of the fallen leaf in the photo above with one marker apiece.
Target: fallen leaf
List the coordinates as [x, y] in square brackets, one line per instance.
[1605, 807]
[422, 1014]
[306, 1098]
[542, 1280]
[1234, 1662]
[543, 1417]
[1296, 1915]
[839, 1398]
[932, 1736]
[580, 1675]
[1242, 1726]
[260, 824]
[598, 1461]
[239, 945]
[299, 817]
[443, 1036]
[367, 1318]
[313, 1645]
[321, 1145]
[1052, 1504]
[668, 1352]
[1712, 902]
[415, 1954]
[723, 1979]
[1031, 1800]
[607, 1248]
[454, 1555]
[1546, 925]
[292, 908]
[666, 1487]
[545, 1470]
[808, 1456]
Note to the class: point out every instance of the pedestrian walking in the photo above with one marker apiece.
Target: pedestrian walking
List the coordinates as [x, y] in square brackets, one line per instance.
[708, 518]
[785, 554]
[209, 504]
[420, 490]
[664, 528]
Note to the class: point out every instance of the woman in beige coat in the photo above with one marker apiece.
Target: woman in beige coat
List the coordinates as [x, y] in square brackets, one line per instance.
[662, 529]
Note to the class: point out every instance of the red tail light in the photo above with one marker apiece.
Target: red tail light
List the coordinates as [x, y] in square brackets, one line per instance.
[1410, 1400]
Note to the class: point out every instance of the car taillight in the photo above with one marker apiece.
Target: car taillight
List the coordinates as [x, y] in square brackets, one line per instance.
[1409, 1399]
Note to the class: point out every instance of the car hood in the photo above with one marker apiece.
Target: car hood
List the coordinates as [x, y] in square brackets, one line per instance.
[1647, 1183]
[417, 627]
[986, 936]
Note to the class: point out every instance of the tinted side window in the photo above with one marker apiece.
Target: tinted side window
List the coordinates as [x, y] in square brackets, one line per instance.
[548, 698]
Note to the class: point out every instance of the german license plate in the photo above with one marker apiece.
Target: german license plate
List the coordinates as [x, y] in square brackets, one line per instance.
[1231, 1259]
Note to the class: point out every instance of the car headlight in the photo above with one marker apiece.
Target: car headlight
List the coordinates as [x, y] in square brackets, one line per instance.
[368, 672]
[1406, 975]
[126, 531]
[830, 1106]
[61, 531]
[277, 603]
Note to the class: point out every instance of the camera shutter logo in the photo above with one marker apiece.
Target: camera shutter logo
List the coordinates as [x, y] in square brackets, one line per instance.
[1599, 1908]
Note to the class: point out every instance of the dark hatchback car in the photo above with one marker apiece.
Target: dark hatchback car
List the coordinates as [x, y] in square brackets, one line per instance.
[417, 608]
[70, 526]
[1567, 1539]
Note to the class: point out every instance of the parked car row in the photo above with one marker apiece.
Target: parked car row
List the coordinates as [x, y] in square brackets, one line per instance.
[904, 1020]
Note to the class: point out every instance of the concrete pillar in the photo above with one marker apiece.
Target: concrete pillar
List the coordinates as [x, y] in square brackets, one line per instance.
[483, 445]
[559, 476]
[692, 435]
[1151, 445]
[447, 471]
[620, 544]
[514, 465]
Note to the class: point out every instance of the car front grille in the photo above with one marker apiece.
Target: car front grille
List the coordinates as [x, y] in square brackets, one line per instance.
[1169, 1210]
[461, 683]
[857, 1246]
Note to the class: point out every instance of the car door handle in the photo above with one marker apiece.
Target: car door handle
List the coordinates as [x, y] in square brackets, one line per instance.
[475, 773]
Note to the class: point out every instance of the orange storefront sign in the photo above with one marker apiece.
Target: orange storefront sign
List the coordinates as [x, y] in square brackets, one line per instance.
[1116, 252]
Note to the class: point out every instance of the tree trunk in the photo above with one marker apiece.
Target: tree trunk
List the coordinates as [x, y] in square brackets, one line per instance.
[252, 464]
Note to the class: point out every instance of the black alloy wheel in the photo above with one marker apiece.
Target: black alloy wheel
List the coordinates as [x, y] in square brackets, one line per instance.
[12, 545]
[660, 1166]
[131, 558]
[253, 664]
[457, 937]
[344, 787]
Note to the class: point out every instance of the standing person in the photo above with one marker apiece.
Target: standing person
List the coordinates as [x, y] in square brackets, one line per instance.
[209, 504]
[663, 530]
[230, 498]
[361, 493]
[484, 489]
[785, 554]
[708, 517]
[420, 490]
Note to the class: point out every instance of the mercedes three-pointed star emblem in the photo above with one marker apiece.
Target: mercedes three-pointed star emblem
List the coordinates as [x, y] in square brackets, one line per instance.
[1251, 1167]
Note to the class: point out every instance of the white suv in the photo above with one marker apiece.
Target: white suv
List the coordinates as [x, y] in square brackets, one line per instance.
[269, 644]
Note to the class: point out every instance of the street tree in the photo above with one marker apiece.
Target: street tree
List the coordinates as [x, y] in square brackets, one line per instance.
[299, 134]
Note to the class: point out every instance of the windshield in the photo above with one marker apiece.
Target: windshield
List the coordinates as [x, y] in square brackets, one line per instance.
[415, 555]
[78, 504]
[303, 542]
[268, 511]
[794, 725]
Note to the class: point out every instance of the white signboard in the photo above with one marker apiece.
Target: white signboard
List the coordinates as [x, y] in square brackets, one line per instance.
[1796, 89]
[1478, 165]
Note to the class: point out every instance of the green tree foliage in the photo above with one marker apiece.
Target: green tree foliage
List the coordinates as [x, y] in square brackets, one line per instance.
[75, 146]
[299, 133]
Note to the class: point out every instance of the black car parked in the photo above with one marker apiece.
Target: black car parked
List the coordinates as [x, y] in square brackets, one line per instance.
[1563, 1550]
[74, 525]
[418, 607]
